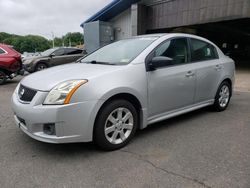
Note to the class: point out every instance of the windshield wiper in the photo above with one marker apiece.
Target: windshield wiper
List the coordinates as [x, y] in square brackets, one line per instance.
[101, 63]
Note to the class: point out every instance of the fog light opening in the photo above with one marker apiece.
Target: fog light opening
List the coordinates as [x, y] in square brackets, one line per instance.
[49, 129]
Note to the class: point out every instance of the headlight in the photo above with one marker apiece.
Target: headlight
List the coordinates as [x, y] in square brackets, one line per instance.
[25, 62]
[62, 93]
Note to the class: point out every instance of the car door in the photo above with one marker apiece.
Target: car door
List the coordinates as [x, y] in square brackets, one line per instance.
[72, 54]
[171, 87]
[58, 57]
[208, 69]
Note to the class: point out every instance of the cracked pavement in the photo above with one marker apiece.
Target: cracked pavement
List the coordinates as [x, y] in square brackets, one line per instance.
[200, 149]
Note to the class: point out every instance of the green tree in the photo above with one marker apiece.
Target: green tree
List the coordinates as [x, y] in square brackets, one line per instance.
[29, 43]
[58, 42]
[34, 43]
[4, 36]
[73, 39]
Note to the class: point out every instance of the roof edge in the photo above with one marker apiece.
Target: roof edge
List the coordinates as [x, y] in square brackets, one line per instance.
[101, 12]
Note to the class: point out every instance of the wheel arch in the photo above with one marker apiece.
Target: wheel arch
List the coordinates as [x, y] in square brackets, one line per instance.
[126, 96]
[41, 62]
[230, 82]
[5, 69]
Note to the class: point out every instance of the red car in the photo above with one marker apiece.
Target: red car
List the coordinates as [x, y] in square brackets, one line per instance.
[10, 63]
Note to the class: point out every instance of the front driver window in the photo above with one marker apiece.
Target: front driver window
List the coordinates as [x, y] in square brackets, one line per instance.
[177, 49]
[59, 52]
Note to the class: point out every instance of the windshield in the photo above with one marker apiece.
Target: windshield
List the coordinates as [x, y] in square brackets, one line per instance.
[48, 52]
[121, 52]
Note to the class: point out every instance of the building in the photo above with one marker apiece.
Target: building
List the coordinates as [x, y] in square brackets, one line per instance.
[225, 22]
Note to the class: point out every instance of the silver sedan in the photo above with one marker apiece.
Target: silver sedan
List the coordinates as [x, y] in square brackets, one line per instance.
[123, 87]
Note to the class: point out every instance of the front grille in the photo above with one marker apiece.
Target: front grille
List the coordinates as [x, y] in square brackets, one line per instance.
[26, 94]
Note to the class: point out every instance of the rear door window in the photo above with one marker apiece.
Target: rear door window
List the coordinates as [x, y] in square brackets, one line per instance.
[202, 51]
[73, 51]
[2, 51]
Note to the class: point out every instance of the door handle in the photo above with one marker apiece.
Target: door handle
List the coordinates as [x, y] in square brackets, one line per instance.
[218, 67]
[190, 74]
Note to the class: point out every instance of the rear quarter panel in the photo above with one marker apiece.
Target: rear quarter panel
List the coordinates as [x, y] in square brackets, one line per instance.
[228, 69]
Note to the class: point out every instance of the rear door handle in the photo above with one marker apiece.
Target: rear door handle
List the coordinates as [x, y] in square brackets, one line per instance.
[218, 67]
[190, 74]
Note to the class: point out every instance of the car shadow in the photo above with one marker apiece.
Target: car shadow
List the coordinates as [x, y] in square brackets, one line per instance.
[172, 122]
[13, 81]
[87, 148]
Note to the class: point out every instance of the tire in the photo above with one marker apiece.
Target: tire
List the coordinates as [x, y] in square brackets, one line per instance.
[3, 77]
[41, 66]
[115, 125]
[222, 97]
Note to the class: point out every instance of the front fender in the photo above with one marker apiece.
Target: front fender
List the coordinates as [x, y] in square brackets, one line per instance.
[123, 90]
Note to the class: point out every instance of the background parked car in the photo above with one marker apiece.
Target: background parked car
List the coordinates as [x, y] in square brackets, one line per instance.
[10, 63]
[26, 54]
[52, 57]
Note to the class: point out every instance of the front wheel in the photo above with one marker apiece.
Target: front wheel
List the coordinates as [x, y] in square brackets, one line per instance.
[41, 66]
[223, 97]
[3, 77]
[116, 124]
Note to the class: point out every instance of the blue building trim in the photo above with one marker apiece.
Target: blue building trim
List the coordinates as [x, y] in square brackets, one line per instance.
[111, 10]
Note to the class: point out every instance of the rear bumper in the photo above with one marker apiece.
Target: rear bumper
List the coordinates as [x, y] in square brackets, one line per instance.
[72, 122]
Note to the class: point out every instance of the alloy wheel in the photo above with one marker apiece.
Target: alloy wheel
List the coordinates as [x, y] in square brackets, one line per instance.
[119, 125]
[224, 96]
[41, 67]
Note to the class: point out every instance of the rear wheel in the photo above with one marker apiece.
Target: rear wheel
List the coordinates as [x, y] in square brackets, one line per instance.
[3, 77]
[41, 66]
[223, 97]
[116, 124]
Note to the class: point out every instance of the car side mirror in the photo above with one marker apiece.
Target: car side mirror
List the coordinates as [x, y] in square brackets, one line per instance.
[160, 61]
[52, 55]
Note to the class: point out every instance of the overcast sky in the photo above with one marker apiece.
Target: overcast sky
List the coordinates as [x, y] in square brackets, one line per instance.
[42, 17]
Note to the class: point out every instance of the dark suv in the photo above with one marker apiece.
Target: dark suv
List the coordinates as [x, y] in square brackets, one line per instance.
[52, 57]
[10, 63]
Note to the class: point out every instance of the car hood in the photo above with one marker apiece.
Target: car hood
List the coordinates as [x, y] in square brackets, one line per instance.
[32, 58]
[47, 79]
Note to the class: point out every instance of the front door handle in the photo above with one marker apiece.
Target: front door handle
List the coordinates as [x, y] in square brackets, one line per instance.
[190, 74]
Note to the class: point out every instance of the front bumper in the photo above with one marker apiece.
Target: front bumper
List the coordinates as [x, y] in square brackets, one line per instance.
[73, 122]
[28, 67]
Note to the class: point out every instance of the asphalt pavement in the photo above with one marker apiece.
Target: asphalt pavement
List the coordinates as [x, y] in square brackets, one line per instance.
[198, 149]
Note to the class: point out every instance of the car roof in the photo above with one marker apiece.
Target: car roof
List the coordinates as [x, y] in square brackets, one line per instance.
[56, 48]
[170, 35]
[153, 35]
[159, 35]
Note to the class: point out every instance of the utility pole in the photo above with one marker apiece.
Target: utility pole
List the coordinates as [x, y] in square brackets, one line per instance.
[53, 39]
[63, 41]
